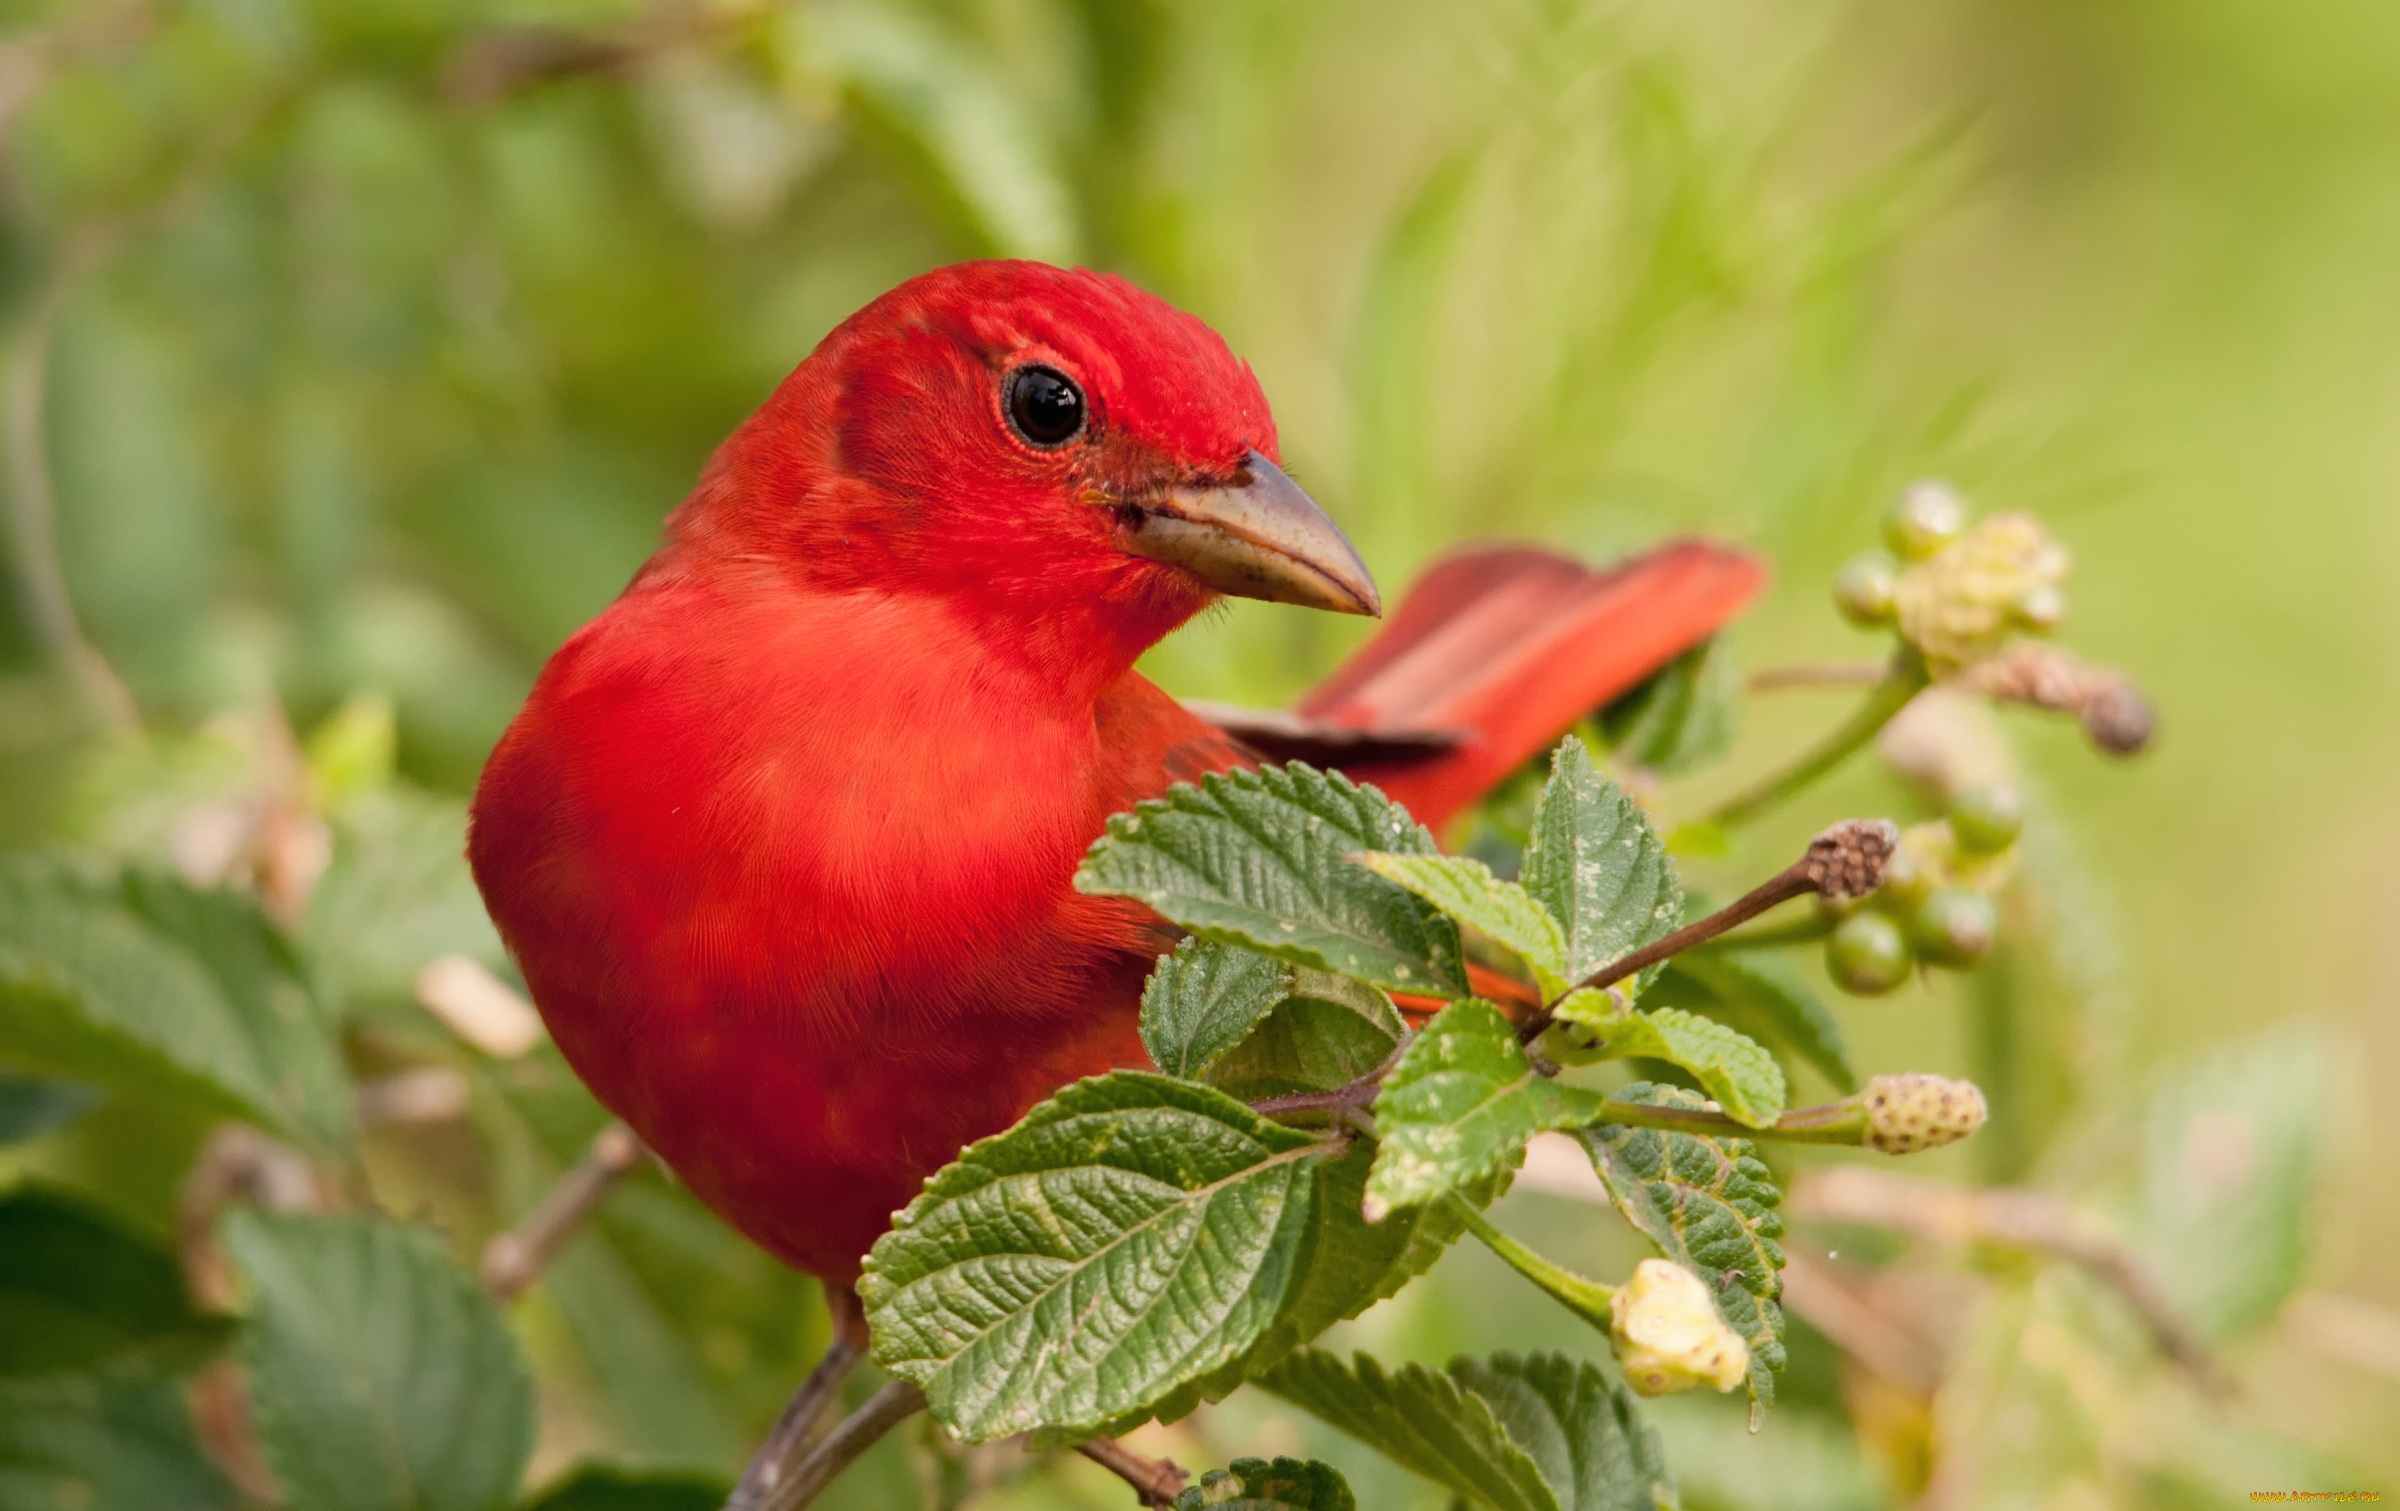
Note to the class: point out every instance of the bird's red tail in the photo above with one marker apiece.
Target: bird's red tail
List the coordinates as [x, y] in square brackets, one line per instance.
[1493, 653]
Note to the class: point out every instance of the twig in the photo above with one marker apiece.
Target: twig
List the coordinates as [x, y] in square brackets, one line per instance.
[885, 1410]
[236, 1162]
[500, 62]
[515, 1259]
[1818, 674]
[1155, 1482]
[1845, 861]
[2116, 717]
[2017, 1218]
[1902, 680]
[784, 1452]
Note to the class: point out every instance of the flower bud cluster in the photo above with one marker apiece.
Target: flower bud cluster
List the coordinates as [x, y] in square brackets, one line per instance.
[1668, 1334]
[1935, 902]
[1956, 591]
[1909, 1113]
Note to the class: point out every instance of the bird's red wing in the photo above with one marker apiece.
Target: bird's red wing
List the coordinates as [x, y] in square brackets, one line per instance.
[1511, 646]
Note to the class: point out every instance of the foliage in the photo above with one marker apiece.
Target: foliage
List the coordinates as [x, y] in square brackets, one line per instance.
[356, 370]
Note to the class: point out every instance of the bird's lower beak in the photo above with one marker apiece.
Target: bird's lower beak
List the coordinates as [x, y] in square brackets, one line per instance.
[1260, 537]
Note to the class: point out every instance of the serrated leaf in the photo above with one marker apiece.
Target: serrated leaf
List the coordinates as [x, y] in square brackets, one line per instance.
[1467, 890]
[1736, 1069]
[380, 1376]
[1327, 1032]
[1595, 863]
[601, 1487]
[263, 979]
[179, 992]
[1424, 1421]
[1129, 1237]
[1258, 1485]
[31, 1106]
[1709, 1205]
[1349, 1264]
[1461, 1103]
[1540, 1432]
[1204, 999]
[1257, 858]
[110, 1440]
[1684, 716]
[78, 1288]
[1769, 993]
[1591, 1445]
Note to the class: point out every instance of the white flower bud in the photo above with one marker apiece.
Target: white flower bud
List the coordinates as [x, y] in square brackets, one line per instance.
[1668, 1335]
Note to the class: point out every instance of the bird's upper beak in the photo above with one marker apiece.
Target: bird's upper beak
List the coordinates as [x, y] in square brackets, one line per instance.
[1257, 537]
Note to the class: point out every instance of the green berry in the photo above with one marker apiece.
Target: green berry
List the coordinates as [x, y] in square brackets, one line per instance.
[1954, 926]
[1867, 955]
[1928, 517]
[1986, 820]
[1906, 880]
[1863, 591]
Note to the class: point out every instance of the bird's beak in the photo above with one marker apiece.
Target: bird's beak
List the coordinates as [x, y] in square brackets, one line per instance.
[1257, 537]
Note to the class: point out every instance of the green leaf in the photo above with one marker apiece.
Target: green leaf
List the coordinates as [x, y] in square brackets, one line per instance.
[1467, 890]
[397, 894]
[31, 1106]
[2232, 1145]
[1350, 1264]
[1130, 1237]
[1424, 1421]
[1327, 1032]
[261, 977]
[1582, 1432]
[112, 1440]
[1736, 1069]
[1767, 992]
[599, 1487]
[1460, 1104]
[381, 1377]
[78, 1287]
[1257, 1485]
[1685, 716]
[1258, 858]
[174, 991]
[1203, 1000]
[1596, 864]
[1709, 1205]
[1540, 1432]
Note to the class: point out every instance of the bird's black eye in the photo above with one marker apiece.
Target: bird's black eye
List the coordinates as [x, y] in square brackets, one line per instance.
[1045, 405]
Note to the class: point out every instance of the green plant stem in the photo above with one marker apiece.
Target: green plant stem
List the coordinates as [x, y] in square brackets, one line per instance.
[1905, 678]
[1842, 1122]
[1587, 1299]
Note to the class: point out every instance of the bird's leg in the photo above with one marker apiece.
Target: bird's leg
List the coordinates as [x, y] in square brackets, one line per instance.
[787, 1445]
[1155, 1482]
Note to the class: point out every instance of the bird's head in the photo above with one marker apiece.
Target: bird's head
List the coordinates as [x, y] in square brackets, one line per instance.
[1046, 446]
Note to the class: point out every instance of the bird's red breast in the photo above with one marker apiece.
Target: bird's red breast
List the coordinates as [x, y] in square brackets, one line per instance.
[783, 841]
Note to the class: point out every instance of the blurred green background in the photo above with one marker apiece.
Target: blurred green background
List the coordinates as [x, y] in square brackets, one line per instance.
[356, 348]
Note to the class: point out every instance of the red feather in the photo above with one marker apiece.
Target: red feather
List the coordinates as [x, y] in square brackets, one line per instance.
[783, 840]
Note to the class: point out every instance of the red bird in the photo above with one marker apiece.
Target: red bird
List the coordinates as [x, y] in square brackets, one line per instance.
[782, 840]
